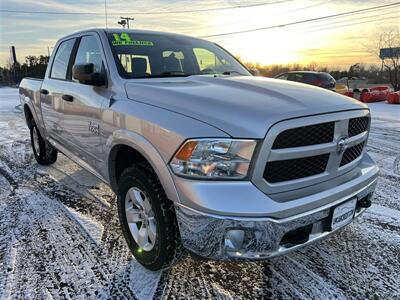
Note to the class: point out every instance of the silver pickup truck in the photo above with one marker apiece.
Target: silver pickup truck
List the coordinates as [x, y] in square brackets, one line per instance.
[201, 154]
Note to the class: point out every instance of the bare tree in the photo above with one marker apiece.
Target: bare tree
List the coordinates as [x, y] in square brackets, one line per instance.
[390, 38]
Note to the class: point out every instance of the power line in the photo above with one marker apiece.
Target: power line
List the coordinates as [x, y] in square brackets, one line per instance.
[215, 9]
[351, 24]
[391, 15]
[283, 13]
[310, 30]
[145, 13]
[322, 27]
[306, 21]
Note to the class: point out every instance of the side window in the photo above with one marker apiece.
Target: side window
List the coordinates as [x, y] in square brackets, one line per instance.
[308, 78]
[283, 76]
[89, 52]
[61, 60]
[296, 77]
[208, 60]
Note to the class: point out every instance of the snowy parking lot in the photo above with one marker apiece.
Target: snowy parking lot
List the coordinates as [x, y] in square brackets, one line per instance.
[60, 239]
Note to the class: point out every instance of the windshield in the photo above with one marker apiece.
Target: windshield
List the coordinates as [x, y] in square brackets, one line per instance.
[146, 55]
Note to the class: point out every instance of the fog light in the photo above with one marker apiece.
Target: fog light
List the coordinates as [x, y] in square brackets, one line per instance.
[234, 240]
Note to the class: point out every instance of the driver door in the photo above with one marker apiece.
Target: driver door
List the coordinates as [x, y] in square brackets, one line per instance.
[82, 113]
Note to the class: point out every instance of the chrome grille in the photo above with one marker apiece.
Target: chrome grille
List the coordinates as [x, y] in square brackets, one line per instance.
[300, 152]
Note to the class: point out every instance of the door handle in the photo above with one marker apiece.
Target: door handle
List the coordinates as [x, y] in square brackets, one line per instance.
[44, 92]
[68, 98]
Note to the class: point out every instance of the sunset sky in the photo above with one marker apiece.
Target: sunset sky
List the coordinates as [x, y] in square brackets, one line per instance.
[335, 42]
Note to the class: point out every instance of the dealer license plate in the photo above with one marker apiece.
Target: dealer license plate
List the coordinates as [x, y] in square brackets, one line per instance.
[343, 214]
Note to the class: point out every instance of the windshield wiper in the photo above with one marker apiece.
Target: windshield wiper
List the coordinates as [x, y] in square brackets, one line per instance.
[230, 72]
[164, 74]
[171, 74]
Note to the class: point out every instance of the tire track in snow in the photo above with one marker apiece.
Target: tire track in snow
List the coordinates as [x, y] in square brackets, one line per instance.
[357, 247]
[73, 229]
[54, 252]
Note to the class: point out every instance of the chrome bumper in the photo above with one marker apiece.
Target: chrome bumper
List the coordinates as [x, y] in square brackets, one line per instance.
[230, 238]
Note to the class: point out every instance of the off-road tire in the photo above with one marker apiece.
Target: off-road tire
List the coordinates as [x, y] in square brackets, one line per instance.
[47, 153]
[167, 247]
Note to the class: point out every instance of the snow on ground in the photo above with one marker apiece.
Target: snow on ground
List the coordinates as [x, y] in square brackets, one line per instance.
[385, 111]
[59, 236]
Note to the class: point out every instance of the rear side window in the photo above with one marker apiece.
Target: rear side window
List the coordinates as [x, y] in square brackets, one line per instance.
[283, 76]
[299, 77]
[325, 76]
[61, 60]
[310, 78]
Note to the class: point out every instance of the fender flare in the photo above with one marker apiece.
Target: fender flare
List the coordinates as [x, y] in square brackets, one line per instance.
[145, 148]
[27, 103]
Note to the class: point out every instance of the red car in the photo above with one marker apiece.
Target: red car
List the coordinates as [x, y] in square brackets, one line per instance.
[321, 79]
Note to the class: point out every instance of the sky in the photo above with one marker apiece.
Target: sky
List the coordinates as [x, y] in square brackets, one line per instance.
[335, 42]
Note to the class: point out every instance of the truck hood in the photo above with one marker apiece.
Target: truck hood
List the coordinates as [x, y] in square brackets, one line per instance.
[243, 106]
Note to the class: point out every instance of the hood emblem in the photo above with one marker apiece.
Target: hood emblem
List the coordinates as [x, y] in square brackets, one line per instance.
[342, 145]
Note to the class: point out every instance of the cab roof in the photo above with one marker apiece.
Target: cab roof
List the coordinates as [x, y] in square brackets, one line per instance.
[118, 30]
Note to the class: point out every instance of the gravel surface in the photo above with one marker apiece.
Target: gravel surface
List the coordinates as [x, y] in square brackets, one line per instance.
[59, 237]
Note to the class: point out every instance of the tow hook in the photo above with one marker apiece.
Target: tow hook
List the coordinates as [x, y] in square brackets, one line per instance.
[364, 202]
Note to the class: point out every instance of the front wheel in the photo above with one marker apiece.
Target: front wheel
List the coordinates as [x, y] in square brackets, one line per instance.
[45, 154]
[147, 218]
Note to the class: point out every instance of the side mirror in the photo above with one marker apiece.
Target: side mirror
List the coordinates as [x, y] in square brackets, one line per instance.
[254, 72]
[85, 74]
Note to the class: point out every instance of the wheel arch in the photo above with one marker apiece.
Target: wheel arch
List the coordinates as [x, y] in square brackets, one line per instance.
[28, 116]
[31, 117]
[127, 148]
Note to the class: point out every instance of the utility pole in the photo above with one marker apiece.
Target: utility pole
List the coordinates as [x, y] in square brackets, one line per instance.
[122, 23]
[125, 21]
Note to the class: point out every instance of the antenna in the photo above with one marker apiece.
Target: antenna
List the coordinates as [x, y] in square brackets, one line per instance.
[105, 12]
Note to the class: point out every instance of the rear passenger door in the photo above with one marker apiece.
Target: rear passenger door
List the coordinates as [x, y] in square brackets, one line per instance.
[53, 87]
[82, 114]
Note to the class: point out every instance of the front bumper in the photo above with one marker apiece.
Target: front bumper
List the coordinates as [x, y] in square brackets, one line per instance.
[228, 237]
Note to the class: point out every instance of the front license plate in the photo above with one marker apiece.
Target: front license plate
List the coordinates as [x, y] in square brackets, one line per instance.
[343, 214]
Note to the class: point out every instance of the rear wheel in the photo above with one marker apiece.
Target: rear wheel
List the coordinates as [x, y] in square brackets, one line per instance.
[147, 218]
[45, 154]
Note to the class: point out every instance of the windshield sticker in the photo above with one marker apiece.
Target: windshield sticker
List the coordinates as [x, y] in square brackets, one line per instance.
[124, 39]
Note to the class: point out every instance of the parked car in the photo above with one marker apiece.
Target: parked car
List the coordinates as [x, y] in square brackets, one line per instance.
[200, 153]
[341, 88]
[353, 83]
[321, 79]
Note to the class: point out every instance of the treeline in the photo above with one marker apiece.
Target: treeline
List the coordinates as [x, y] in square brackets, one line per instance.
[34, 66]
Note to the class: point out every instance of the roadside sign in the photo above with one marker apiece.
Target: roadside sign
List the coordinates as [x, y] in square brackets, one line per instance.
[389, 52]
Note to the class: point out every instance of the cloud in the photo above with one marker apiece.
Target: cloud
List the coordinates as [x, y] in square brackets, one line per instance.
[32, 33]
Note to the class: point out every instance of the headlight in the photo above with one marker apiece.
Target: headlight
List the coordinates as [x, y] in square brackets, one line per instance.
[214, 158]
